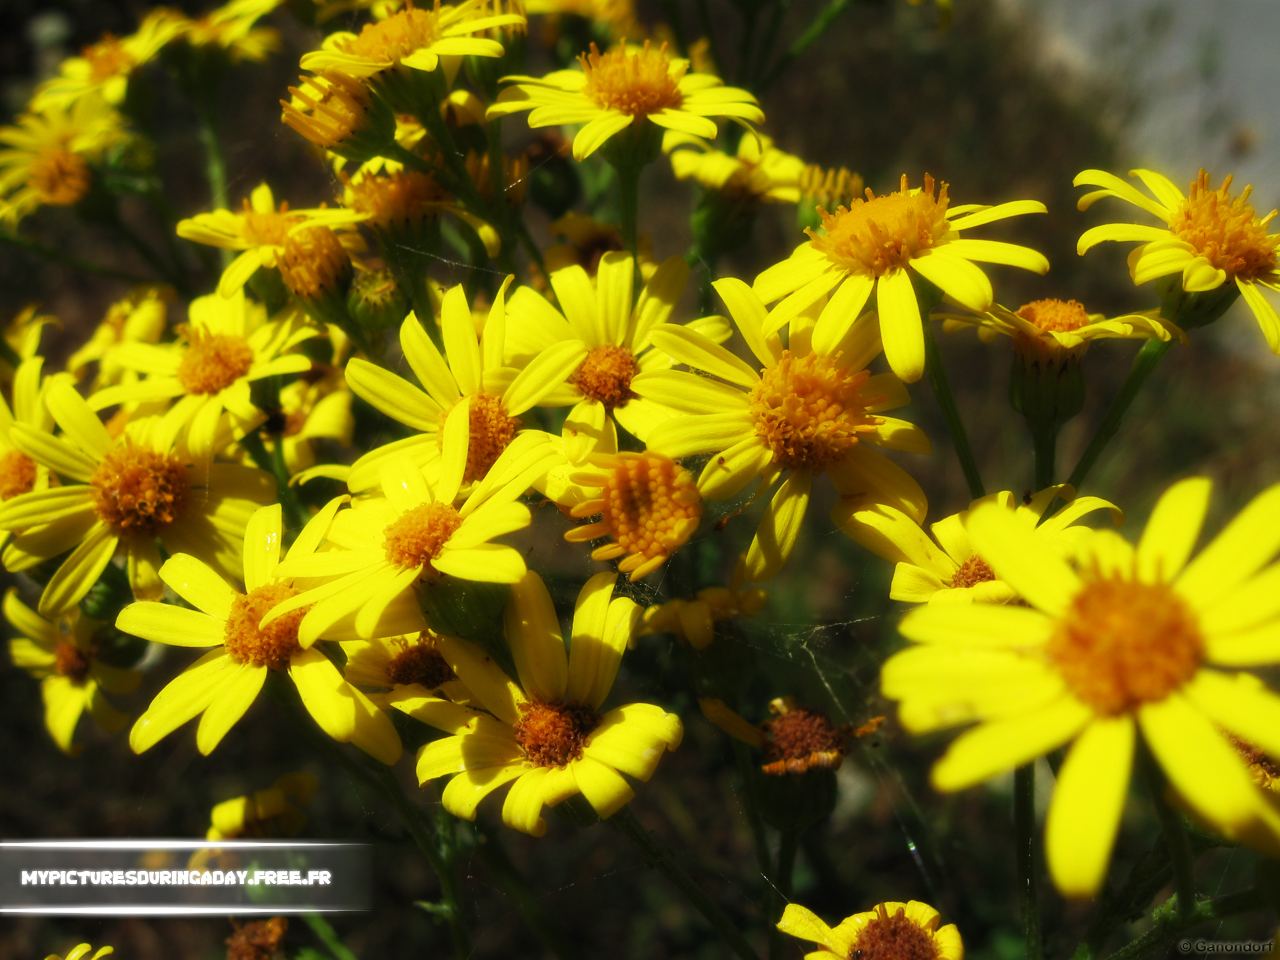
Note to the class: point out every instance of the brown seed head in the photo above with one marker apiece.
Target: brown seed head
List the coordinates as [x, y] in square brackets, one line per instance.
[420, 662]
[71, 662]
[801, 739]
[259, 940]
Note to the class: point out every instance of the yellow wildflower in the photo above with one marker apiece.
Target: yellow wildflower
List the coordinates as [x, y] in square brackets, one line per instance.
[892, 931]
[758, 172]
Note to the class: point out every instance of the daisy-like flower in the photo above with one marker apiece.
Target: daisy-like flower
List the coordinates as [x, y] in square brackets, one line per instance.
[875, 245]
[414, 38]
[546, 732]
[104, 68]
[82, 953]
[229, 343]
[232, 28]
[1212, 238]
[759, 172]
[888, 931]
[223, 684]
[470, 410]
[132, 493]
[384, 547]
[622, 87]
[276, 811]
[20, 474]
[648, 507]
[260, 230]
[396, 204]
[1053, 328]
[47, 157]
[610, 344]
[795, 740]
[810, 408]
[411, 665]
[949, 571]
[1139, 639]
[63, 656]
[693, 621]
[138, 317]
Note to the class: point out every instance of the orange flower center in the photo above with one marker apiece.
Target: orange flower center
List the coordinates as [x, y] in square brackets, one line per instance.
[398, 36]
[108, 58]
[1123, 643]
[268, 229]
[651, 504]
[605, 374]
[881, 234]
[973, 571]
[491, 431]
[71, 662]
[213, 361]
[636, 83]
[333, 106]
[420, 662]
[1054, 316]
[137, 491]
[59, 177]
[418, 536]
[809, 411]
[553, 734]
[396, 200]
[1225, 230]
[257, 940]
[17, 474]
[802, 739]
[893, 938]
[273, 645]
[314, 263]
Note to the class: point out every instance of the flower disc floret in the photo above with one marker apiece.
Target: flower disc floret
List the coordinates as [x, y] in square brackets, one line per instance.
[1225, 230]
[605, 375]
[269, 646]
[137, 491]
[420, 662]
[880, 234]
[492, 430]
[1055, 316]
[893, 937]
[17, 474]
[416, 538]
[554, 734]
[397, 199]
[60, 177]
[1123, 643]
[314, 263]
[972, 572]
[108, 58]
[800, 739]
[213, 361]
[71, 661]
[810, 410]
[635, 82]
[397, 36]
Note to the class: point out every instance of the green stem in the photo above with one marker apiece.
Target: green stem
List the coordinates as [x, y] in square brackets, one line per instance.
[950, 412]
[527, 903]
[50, 253]
[1170, 920]
[629, 207]
[788, 846]
[1144, 363]
[215, 161]
[296, 516]
[1175, 835]
[1045, 440]
[426, 842]
[1024, 833]
[326, 935]
[660, 858]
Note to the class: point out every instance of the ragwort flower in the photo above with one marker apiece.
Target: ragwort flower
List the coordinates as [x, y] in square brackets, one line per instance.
[1212, 238]
[224, 683]
[876, 245]
[81, 952]
[889, 931]
[1139, 639]
[546, 732]
[622, 87]
[758, 172]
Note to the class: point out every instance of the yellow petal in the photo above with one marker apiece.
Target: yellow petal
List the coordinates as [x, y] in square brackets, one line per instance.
[523, 807]
[779, 527]
[900, 329]
[495, 691]
[533, 633]
[1247, 542]
[198, 584]
[604, 788]
[79, 572]
[237, 691]
[1172, 530]
[1023, 560]
[167, 623]
[465, 791]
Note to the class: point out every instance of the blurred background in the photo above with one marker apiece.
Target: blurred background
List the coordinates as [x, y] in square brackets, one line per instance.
[1010, 102]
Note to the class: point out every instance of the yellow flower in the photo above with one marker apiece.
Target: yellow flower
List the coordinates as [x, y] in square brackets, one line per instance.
[617, 16]
[273, 812]
[310, 411]
[383, 547]
[888, 931]
[954, 573]
[134, 492]
[1053, 327]
[104, 68]
[395, 203]
[138, 317]
[758, 172]
[412, 38]
[876, 245]
[20, 474]
[81, 953]
[409, 665]
[809, 409]
[63, 657]
[648, 506]
[828, 188]
[1139, 640]
[260, 230]
[605, 341]
[1212, 238]
[795, 740]
[223, 683]
[694, 620]
[546, 732]
[23, 334]
[231, 27]
[50, 152]
[470, 410]
[626, 86]
[229, 343]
